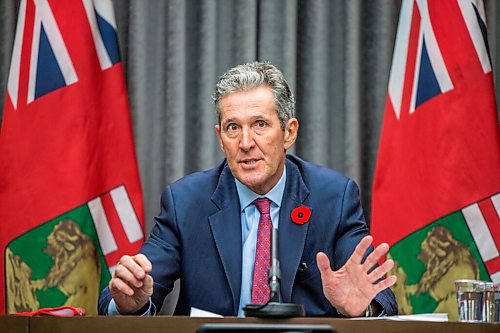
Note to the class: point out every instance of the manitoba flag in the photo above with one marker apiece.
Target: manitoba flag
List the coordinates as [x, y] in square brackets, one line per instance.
[70, 195]
[436, 191]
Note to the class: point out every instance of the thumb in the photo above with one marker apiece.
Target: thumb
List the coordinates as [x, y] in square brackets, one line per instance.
[323, 263]
[148, 285]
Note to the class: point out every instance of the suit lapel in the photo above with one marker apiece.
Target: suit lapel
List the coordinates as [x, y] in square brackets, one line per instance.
[292, 236]
[226, 230]
[225, 225]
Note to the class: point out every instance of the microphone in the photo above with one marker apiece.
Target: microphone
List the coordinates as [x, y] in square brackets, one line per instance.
[274, 279]
[273, 308]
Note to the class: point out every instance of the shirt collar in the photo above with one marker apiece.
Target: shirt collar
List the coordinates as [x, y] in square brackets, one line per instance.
[247, 196]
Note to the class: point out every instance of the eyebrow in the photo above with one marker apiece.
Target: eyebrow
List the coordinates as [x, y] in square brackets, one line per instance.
[252, 118]
[226, 121]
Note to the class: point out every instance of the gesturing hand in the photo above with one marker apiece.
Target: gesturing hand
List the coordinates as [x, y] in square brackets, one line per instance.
[131, 285]
[351, 289]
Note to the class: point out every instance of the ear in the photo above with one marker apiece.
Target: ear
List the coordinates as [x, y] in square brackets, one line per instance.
[291, 130]
[219, 137]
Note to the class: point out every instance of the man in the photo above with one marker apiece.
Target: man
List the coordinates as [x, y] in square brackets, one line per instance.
[214, 226]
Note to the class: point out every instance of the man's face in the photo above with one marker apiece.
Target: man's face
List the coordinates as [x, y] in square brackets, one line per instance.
[250, 135]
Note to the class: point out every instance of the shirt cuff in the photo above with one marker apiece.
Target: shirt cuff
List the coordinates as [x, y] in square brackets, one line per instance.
[375, 309]
[150, 311]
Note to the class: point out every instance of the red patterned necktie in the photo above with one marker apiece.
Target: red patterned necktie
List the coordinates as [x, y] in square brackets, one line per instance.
[260, 286]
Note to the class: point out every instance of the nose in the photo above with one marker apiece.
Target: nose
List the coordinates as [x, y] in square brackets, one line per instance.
[247, 140]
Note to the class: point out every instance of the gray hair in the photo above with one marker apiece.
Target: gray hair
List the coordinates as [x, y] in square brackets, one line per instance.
[252, 75]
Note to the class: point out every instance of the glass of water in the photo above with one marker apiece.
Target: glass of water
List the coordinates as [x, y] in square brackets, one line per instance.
[489, 302]
[496, 311]
[470, 300]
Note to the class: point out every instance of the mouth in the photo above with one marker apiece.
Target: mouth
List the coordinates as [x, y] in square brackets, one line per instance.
[248, 163]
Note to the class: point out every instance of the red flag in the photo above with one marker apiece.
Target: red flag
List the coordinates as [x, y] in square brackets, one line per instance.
[70, 194]
[439, 158]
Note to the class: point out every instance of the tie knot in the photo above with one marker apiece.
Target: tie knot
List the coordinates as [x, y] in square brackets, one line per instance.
[263, 205]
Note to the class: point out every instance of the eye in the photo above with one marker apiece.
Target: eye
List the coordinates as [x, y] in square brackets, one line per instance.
[231, 127]
[261, 123]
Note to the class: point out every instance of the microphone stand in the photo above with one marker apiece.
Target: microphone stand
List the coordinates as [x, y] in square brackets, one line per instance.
[274, 308]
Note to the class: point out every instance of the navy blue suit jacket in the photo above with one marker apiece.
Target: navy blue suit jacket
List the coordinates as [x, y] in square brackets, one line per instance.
[197, 238]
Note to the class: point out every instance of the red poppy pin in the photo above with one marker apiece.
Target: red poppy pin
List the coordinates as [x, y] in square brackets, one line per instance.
[301, 215]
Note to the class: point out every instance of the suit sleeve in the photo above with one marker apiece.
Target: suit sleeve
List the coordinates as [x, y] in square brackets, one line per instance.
[351, 230]
[163, 249]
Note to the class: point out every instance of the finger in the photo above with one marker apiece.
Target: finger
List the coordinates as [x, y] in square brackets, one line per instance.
[375, 256]
[148, 285]
[361, 248]
[117, 285]
[386, 283]
[133, 266]
[323, 263]
[122, 272]
[381, 271]
[143, 262]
